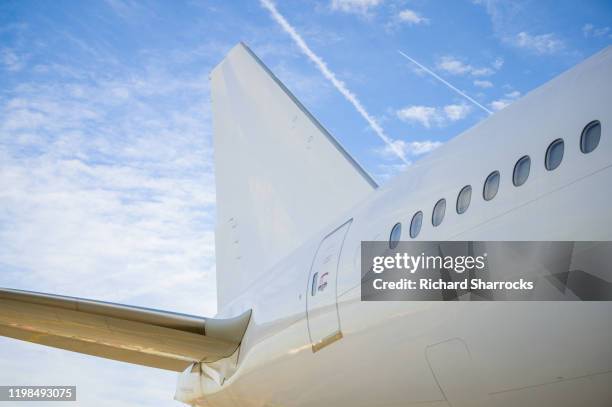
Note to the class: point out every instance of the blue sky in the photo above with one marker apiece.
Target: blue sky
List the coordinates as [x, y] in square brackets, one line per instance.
[106, 175]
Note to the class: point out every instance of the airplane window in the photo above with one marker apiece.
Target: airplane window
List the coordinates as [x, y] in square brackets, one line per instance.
[491, 186]
[396, 235]
[463, 199]
[590, 137]
[438, 212]
[521, 171]
[554, 154]
[415, 224]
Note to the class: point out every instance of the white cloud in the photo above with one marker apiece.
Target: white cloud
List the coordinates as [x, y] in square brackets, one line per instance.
[508, 98]
[543, 44]
[328, 74]
[484, 71]
[483, 84]
[502, 13]
[385, 171]
[498, 63]
[421, 147]
[411, 17]
[590, 30]
[507, 19]
[513, 95]
[11, 61]
[106, 383]
[354, 6]
[499, 104]
[425, 115]
[457, 112]
[121, 203]
[428, 116]
[455, 66]
[411, 148]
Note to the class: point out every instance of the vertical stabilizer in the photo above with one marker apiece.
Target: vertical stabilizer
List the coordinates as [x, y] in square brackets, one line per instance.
[281, 177]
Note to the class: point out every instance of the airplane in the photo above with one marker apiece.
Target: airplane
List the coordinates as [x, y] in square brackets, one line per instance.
[293, 205]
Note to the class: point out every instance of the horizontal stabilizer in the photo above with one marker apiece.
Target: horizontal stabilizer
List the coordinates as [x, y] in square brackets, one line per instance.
[136, 335]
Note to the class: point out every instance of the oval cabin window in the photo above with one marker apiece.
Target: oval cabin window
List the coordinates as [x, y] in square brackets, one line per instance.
[554, 154]
[521, 171]
[395, 236]
[415, 224]
[590, 137]
[491, 186]
[463, 199]
[438, 212]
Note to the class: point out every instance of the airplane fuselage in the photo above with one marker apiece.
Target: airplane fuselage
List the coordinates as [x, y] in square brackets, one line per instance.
[299, 351]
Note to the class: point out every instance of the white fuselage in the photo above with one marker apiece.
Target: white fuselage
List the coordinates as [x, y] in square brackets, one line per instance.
[449, 353]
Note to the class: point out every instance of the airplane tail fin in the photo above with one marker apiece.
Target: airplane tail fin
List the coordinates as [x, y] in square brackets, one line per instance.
[280, 176]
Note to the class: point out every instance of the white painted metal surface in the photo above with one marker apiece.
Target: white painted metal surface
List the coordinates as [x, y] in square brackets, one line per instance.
[500, 354]
[321, 295]
[280, 176]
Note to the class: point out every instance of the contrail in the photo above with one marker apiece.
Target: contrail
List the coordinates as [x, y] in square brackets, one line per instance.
[329, 75]
[429, 71]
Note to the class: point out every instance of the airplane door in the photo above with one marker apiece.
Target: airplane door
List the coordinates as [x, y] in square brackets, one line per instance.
[321, 298]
